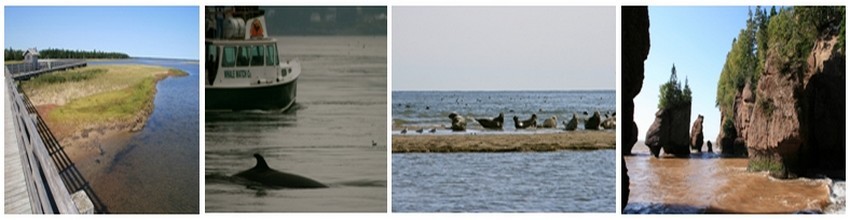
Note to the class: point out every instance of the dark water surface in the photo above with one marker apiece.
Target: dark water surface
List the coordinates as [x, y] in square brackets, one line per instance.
[340, 109]
[157, 170]
[560, 181]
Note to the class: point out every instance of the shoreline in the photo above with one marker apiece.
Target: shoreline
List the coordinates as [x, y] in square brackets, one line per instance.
[573, 140]
[87, 137]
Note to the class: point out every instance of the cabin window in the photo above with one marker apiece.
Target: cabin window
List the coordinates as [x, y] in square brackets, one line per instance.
[212, 53]
[272, 58]
[242, 58]
[257, 54]
[229, 57]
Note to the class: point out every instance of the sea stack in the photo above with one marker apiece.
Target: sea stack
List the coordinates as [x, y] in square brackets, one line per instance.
[696, 135]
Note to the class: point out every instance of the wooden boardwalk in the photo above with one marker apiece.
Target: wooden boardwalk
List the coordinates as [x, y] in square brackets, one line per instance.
[27, 70]
[17, 199]
[39, 177]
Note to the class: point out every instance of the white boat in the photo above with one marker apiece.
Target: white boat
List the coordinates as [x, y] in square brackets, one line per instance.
[243, 69]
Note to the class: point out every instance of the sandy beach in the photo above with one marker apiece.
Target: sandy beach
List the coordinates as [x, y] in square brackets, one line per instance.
[575, 140]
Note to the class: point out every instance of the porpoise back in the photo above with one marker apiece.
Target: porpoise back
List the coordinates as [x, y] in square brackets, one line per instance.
[262, 173]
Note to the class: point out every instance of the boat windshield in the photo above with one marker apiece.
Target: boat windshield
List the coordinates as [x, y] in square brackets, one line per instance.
[229, 57]
[272, 55]
[243, 56]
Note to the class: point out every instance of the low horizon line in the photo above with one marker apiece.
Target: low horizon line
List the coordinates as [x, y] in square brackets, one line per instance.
[166, 58]
[506, 90]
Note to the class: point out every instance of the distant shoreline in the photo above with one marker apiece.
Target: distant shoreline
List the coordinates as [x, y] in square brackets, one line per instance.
[572, 140]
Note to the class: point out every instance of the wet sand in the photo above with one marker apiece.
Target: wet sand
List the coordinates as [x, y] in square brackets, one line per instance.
[706, 183]
[573, 140]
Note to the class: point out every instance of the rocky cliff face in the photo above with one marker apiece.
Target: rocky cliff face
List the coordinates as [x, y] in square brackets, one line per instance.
[796, 126]
[732, 143]
[824, 86]
[635, 49]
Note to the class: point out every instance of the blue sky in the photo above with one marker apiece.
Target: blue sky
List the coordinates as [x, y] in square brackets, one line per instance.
[504, 48]
[697, 40]
[163, 32]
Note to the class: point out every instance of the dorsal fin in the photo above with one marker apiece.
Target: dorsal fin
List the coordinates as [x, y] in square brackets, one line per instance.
[261, 163]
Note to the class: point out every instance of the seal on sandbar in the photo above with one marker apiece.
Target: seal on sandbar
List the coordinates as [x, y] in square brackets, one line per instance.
[495, 123]
[551, 122]
[530, 123]
[458, 123]
[572, 125]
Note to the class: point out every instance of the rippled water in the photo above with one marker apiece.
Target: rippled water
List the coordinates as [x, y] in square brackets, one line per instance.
[431, 108]
[708, 183]
[156, 170]
[340, 109]
[560, 181]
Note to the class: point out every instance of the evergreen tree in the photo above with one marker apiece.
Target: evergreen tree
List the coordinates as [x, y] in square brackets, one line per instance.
[671, 93]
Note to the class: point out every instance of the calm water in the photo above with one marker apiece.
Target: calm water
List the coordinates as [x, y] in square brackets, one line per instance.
[157, 170]
[561, 181]
[340, 109]
[708, 183]
[431, 108]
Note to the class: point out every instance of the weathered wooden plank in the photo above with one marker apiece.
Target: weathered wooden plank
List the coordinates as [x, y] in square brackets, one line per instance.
[46, 190]
[17, 199]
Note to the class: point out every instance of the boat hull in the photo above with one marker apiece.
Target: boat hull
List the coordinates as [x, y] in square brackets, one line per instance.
[272, 97]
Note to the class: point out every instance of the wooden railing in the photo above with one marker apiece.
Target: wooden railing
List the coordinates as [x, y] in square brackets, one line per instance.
[27, 70]
[54, 184]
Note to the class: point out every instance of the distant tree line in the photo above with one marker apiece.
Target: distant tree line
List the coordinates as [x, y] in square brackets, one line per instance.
[50, 53]
[788, 33]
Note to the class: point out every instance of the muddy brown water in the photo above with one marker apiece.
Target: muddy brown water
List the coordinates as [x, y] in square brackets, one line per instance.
[707, 183]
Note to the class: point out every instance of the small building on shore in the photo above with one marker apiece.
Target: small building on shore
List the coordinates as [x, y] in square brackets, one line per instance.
[31, 56]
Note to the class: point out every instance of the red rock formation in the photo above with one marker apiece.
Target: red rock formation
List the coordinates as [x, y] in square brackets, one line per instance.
[797, 124]
[670, 131]
[696, 134]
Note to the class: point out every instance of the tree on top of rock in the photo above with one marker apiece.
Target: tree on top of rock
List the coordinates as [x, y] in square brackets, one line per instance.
[672, 94]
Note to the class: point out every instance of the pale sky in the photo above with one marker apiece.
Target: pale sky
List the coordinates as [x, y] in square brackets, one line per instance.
[503, 48]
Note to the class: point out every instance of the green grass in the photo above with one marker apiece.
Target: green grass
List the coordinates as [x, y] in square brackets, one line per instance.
[66, 76]
[96, 96]
[765, 164]
[767, 106]
[108, 106]
[177, 72]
